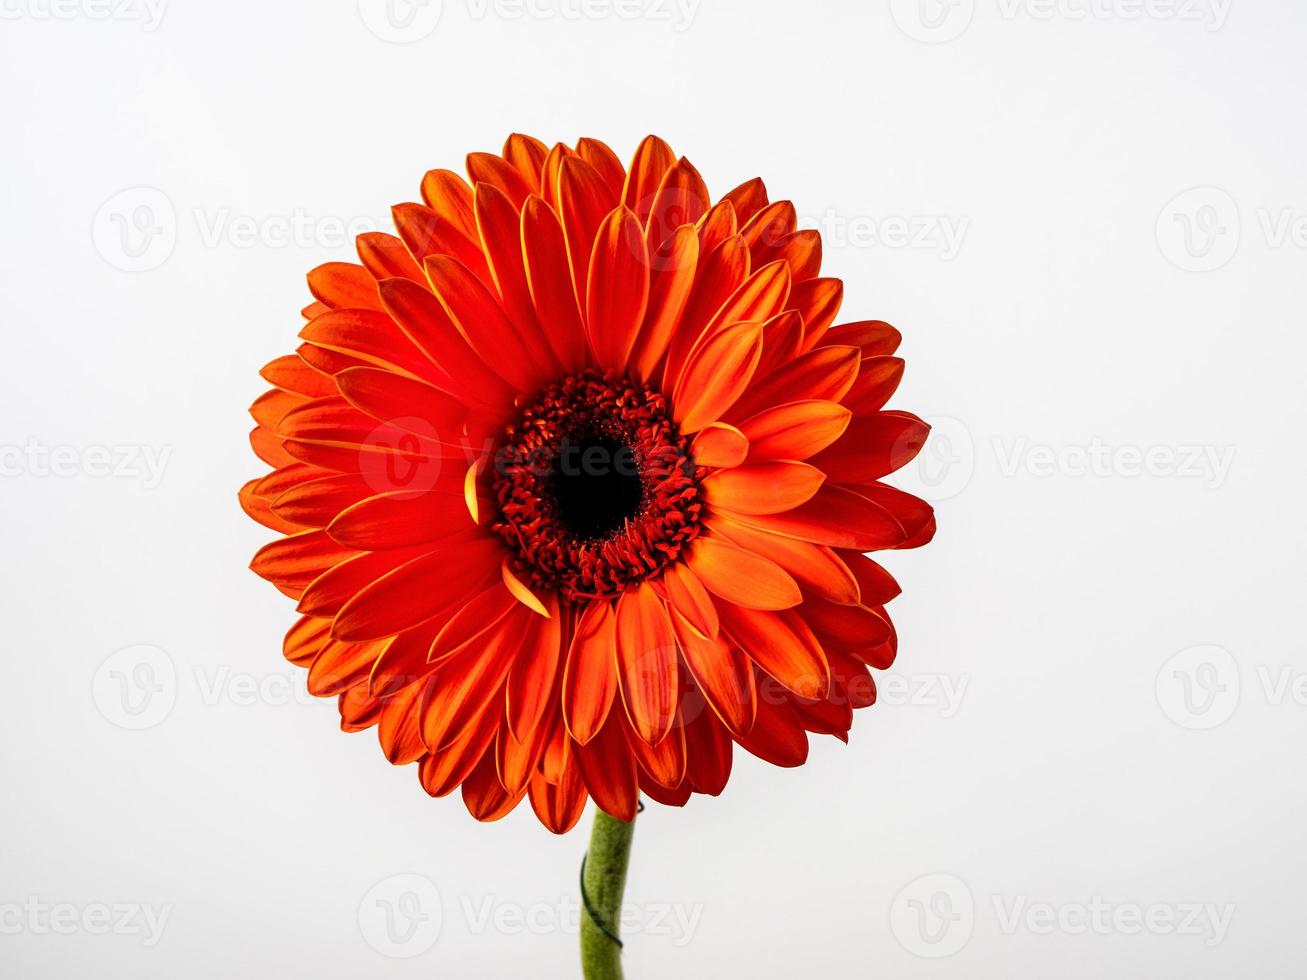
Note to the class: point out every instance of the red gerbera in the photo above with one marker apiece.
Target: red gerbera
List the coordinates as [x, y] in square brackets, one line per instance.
[576, 480]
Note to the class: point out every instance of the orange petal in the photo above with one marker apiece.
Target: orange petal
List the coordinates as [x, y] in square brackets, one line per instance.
[327, 593]
[687, 596]
[664, 762]
[426, 322]
[373, 338]
[646, 660]
[782, 341]
[449, 195]
[835, 516]
[491, 169]
[559, 805]
[531, 683]
[681, 198]
[550, 280]
[874, 446]
[399, 519]
[618, 288]
[605, 161]
[466, 685]
[590, 676]
[344, 285]
[876, 337]
[741, 577]
[484, 795]
[671, 278]
[583, 202]
[427, 233]
[419, 590]
[526, 155]
[719, 444]
[760, 297]
[818, 569]
[717, 225]
[766, 229]
[520, 590]
[783, 645]
[877, 380]
[608, 769]
[762, 488]
[720, 273]
[296, 560]
[652, 159]
[818, 302]
[500, 227]
[824, 374]
[716, 375]
[386, 256]
[749, 198]
[796, 430]
[471, 622]
[483, 323]
[723, 673]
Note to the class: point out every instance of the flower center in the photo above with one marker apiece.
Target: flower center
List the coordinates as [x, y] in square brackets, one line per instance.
[596, 487]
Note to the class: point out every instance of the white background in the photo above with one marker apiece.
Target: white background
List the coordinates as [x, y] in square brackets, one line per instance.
[1090, 775]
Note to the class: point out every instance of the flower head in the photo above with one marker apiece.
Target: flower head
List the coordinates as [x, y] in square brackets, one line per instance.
[576, 479]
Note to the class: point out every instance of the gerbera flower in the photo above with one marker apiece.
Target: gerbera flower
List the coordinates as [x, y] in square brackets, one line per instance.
[576, 480]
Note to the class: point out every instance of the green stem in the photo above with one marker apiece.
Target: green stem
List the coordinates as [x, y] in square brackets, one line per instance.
[604, 881]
